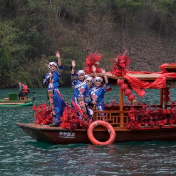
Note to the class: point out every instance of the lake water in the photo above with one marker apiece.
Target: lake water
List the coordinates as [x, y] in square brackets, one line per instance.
[21, 155]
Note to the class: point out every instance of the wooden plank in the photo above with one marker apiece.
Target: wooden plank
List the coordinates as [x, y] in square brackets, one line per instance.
[145, 77]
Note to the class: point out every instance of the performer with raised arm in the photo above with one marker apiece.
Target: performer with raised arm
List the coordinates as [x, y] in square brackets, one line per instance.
[98, 91]
[56, 100]
[79, 100]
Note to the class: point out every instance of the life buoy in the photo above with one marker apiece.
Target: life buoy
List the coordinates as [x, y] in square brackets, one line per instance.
[105, 124]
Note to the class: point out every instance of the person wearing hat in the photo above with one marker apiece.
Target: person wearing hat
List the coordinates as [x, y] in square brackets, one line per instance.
[56, 100]
[98, 91]
[89, 81]
[79, 99]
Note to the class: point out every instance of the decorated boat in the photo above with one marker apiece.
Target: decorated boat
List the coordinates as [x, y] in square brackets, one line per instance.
[13, 101]
[121, 122]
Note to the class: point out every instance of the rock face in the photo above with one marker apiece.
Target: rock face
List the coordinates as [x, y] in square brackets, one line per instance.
[149, 52]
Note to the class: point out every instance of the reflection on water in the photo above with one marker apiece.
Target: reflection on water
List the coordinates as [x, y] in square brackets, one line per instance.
[21, 155]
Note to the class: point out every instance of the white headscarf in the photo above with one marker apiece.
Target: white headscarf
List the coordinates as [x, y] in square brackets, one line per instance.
[89, 79]
[52, 63]
[81, 72]
[98, 79]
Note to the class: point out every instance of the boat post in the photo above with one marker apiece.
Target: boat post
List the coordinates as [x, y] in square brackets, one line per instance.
[161, 98]
[121, 109]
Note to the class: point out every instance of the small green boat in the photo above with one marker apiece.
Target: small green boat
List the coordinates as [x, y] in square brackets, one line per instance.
[14, 101]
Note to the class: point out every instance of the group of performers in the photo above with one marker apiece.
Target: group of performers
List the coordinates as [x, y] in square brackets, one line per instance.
[88, 91]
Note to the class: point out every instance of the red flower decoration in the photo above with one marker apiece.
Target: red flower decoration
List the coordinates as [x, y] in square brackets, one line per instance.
[120, 65]
[151, 117]
[51, 100]
[71, 120]
[43, 114]
[82, 90]
[50, 94]
[52, 106]
[94, 97]
[92, 59]
[81, 103]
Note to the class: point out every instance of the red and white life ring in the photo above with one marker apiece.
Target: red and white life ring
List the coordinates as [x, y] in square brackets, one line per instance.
[106, 125]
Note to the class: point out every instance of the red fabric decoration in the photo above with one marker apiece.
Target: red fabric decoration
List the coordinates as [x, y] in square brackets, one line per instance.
[43, 114]
[119, 68]
[164, 65]
[92, 59]
[120, 65]
[138, 85]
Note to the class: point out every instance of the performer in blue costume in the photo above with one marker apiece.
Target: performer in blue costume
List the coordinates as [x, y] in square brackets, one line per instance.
[79, 100]
[98, 91]
[90, 84]
[89, 81]
[56, 100]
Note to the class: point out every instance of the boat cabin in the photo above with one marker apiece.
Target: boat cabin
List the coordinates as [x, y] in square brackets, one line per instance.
[120, 116]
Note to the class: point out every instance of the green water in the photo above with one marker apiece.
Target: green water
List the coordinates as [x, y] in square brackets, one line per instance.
[21, 155]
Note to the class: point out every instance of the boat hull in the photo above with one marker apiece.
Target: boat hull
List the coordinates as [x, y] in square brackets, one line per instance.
[57, 135]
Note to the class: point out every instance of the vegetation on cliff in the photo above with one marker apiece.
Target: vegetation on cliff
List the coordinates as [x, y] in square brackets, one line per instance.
[31, 31]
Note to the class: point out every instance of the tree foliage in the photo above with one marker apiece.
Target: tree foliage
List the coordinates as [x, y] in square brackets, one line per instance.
[31, 31]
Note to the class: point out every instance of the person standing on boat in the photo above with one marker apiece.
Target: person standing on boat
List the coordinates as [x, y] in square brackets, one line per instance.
[79, 99]
[98, 91]
[56, 100]
[23, 90]
[90, 84]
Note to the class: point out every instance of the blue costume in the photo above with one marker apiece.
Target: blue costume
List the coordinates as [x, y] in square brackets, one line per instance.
[87, 95]
[56, 100]
[97, 94]
[79, 97]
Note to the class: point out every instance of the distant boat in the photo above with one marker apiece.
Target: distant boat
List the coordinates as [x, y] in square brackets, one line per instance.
[14, 101]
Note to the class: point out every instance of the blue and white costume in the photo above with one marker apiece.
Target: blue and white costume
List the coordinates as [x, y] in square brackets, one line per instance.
[80, 90]
[56, 100]
[97, 94]
[87, 95]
